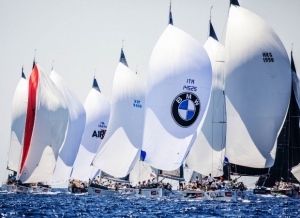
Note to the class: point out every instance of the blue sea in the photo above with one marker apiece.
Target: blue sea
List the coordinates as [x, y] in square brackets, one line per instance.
[60, 203]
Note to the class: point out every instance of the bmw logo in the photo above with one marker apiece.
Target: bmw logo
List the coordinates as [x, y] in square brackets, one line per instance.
[185, 109]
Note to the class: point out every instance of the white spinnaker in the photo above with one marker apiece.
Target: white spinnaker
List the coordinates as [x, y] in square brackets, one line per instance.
[76, 124]
[141, 172]
[50, 124]
[296, 172]
[19, 110]
[257, 89]
[97, 109]
[121, 146]
[296, 87]
[207, 154]
[178, 65]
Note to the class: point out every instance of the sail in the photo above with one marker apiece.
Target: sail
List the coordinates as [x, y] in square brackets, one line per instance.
[296, 172]
[296, 81]
[76, 124]
[178, 90]
[257, 89]
[97, 109]
[121, 146]
[46, 124]
[207, 154]
[19, 109]
[141, 172]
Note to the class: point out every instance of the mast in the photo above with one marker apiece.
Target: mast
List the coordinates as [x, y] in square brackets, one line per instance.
[33, 59]
[170, 14]
[234, 2]
[23, 75]
[212, 32]
[122, 56]
[95, 85]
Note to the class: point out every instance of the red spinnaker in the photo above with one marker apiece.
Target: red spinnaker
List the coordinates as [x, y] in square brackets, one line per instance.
[30, 117]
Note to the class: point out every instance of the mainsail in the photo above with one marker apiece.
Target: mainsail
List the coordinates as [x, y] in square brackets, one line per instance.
[257, 88]
[207, 154]
[76, 124]
[19, 110]
[121, 146]
[178, 90]
[97, 109]
[46, 124]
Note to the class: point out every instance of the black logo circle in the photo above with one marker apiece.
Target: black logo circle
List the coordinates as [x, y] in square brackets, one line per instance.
[185, 109]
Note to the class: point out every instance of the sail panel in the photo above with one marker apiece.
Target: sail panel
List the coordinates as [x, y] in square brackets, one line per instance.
[178, 83]
[76, 124]
[257, 89]
[121, 146]
[50, 123]
[141, 172]
[97, 109]
[207, 154]
[19, 110]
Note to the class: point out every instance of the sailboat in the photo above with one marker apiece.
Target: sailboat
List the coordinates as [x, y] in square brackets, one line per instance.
[98, 112]
[121, 146]
[44, 133]
[286, 167]
[178, 90]
[76, 124]
[19, 109]
[257, 91]
[207, 154]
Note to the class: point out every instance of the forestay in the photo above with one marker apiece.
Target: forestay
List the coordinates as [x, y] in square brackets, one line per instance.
[97, 109]
[76, 124]
[121, 146]
[207, 154]
[141, 172]
[19, 110]
[257, 89]
[45, 128]
[178, 90]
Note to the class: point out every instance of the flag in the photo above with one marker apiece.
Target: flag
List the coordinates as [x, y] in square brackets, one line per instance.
[152, 174]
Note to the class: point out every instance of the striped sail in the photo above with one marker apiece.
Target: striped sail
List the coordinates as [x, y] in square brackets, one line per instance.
[45, 128]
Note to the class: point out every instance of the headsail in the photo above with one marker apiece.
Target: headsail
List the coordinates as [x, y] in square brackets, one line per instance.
[207, 154]
[257, 88]
[46, 123]
[76, 124]
[178, 90]
[121, 146]
[19, 110]
[97, 109]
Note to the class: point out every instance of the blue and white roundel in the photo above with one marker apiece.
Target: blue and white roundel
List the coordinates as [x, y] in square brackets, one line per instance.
[186, 109]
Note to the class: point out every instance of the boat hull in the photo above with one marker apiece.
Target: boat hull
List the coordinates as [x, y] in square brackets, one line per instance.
[100, 191]
[9, 188]
[286, 192]
[76, 190]
[218, 195]
[153, 192]
[261, 191]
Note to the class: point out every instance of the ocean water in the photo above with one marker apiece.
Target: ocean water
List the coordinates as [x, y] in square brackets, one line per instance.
[60, 203]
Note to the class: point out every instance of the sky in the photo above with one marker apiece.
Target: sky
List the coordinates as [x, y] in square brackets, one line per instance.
[84, 39]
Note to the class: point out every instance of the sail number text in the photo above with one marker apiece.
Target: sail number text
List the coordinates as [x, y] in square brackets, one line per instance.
[267, 57]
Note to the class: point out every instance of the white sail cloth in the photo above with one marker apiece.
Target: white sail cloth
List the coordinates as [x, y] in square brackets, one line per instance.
[141, 172]
[46, 124]
[121, 146]
[76, 124]
[178, 89]
[296, 87]
[296, 172]
[19, 109]
[257, 89]
[97, 109]
[207, 154]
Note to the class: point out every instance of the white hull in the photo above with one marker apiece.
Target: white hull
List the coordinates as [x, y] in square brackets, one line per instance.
[98, 191]
[152, 192]
[33, 189]
[218, 195]
[9, 188]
